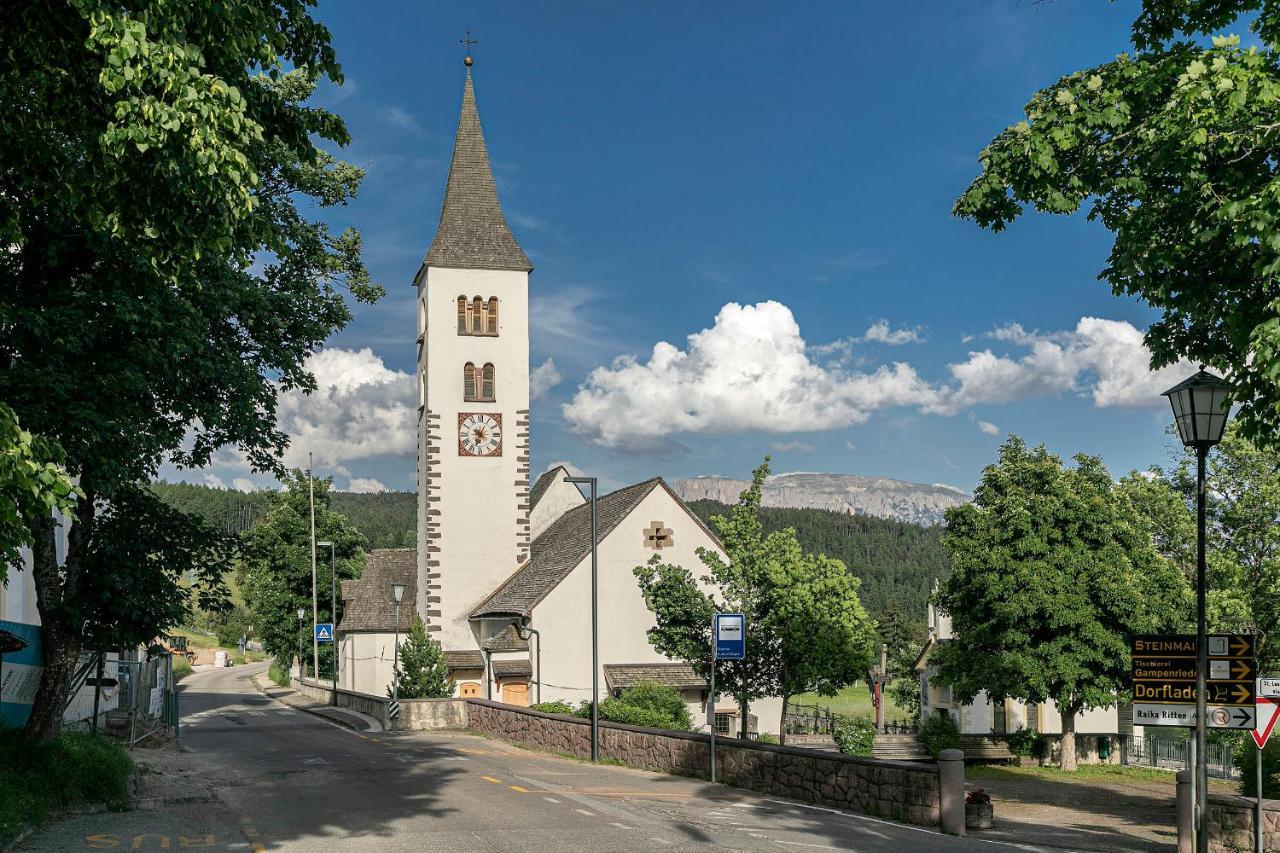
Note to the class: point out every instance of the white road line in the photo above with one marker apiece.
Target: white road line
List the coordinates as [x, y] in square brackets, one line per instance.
[585, 812]
[620, 825]
[925, 830]
[661, 841]
[551, 799]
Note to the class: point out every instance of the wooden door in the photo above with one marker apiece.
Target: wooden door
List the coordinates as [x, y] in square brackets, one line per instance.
[469, 690]
[515, 693]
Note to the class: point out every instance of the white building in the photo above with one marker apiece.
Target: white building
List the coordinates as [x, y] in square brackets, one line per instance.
[492, 552]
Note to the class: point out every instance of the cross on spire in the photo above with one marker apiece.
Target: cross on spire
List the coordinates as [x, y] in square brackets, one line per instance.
[467, 42]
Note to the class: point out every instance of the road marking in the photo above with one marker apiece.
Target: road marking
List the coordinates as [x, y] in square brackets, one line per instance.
[518, 788]
[375, 740]
[491, 779]
[585, 812]
[661, 841]
[925, 830]
[551, 799]
[620, 825]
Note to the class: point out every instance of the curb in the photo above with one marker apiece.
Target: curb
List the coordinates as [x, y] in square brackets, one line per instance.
[265, 690]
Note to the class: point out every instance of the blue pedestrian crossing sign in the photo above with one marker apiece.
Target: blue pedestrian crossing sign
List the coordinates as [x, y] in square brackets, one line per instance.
[324, 632]
[730, 631]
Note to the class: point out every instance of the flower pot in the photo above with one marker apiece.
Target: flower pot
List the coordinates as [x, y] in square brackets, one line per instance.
[977, 815]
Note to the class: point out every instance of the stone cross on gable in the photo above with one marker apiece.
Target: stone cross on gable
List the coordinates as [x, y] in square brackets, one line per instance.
[658, 537]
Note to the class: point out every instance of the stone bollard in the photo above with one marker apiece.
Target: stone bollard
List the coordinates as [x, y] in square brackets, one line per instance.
[951, 791]
[1186, 812]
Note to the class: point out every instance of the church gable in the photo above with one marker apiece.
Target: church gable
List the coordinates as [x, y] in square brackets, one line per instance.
[550, 498]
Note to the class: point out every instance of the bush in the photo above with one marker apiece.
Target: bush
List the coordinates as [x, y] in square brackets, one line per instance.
[1246, 755]
[764, 737]
[556, 707]
[662, 700]
[181, 667]
[38, 777]
[855, 735]
[279, 674]
[939, 732]
[1028, 743]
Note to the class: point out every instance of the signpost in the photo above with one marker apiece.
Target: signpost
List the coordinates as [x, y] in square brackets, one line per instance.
[324, 632]
[728, 642]
[1164, 681]
[1268, 705]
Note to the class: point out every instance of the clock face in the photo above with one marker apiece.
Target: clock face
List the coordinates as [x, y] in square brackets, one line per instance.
[479, 434]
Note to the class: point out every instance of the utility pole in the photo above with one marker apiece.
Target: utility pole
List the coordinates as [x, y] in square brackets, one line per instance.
[315, 605]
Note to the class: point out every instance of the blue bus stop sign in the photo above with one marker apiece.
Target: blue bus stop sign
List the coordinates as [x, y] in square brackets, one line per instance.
[324, 632]
[731, 636]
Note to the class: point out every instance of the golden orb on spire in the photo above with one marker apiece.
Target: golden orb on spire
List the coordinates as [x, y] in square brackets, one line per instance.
[467, 60]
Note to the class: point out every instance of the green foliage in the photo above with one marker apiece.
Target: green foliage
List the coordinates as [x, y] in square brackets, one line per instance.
[165, 273]
[1246, 758]
[556, 707]
[621, 711]
[422, 673]
[806, 629]
[181, 668]
[1173, 148]
[279, 673]
[39, 777]
[939, 732]
[1028, 743]
[765, 737]
[32, 485]
[276, 570]
[855, 735]
[1053, 573]
[662, 700]
[230, 626]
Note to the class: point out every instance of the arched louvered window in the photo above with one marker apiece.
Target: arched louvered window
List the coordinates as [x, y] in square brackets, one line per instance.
[486, 384]
[469, 377]
[491, 317]
[477, 316]
[464, 326]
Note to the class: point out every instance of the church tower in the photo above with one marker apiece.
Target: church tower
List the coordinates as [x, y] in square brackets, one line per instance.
[473, 403]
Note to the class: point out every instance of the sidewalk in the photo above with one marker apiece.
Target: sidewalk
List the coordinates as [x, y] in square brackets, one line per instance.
[294, 699]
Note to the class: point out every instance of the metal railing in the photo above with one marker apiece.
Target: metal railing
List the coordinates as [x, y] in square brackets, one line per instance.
[1170, 754]
[146, 695]
[817, 720]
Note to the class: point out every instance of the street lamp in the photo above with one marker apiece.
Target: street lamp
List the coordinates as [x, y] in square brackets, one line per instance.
[1201, 406]
[525, 632]
[397, 593]
[595, 626]
[302, 614]
[333, 614]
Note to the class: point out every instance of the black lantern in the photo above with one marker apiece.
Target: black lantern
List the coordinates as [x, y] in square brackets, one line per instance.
[1200, 409]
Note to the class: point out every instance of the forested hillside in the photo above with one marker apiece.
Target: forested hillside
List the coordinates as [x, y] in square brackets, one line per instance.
[385, 518]
[897, 561]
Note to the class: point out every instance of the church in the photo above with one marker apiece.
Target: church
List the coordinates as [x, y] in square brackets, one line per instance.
[501, 575]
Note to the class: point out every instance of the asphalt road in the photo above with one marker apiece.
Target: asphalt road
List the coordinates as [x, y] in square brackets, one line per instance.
[284, 780]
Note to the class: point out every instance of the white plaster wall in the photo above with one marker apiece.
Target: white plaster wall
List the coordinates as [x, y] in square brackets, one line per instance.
[564, 616]
[480, 500]
[367, 662]
[1100, 721]
[559, 498]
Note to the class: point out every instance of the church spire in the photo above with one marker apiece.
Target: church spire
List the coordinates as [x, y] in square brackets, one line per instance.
[473, 233]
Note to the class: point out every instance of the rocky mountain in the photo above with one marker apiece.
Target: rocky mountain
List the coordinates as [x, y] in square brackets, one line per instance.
[919, 503]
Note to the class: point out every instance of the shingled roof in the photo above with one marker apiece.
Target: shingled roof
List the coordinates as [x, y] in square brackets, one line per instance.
[473, 233]
[620, 676]
[543, 483]
[367, 603]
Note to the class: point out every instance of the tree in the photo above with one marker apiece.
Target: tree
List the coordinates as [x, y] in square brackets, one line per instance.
[904, 639]
[275, 573]
[422, 673]
[806, 630]
[1175, 149]
[1053, 573]
[32, 485]
[163, 277]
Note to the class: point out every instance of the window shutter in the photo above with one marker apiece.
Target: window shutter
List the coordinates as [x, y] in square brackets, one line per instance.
[487, 383]
[462, 315]
[492, 319]
[469, 381]
[477, 316]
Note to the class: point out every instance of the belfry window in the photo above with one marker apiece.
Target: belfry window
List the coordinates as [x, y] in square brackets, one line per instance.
[491, 316]
[477, 316]
[464, 317]
[469, 377]
[486, 383]
[478, 383]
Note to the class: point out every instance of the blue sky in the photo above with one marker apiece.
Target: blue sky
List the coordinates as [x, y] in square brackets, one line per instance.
[660, 162]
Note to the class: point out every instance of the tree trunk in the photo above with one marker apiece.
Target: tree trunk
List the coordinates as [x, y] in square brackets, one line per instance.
[745, 704]
[60, 646]
[1068, 737]
[782, 720]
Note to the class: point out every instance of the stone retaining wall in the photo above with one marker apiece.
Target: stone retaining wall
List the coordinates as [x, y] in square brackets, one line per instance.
[364, 703]
[900, 790]
[415, 714]
[1231, 823]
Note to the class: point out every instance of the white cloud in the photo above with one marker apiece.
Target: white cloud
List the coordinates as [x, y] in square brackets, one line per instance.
[215, 481]
[403, 119]
[879, 332]
[360, 408]
[542, 379]
[988, 427]
[365, 484]
[752, 370]
[786, 446]
[851, 445]
[749, 371]
[1103, 359]
[243, 484]
[574, 470]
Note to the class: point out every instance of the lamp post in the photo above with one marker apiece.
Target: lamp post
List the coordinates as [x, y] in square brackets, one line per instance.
[525, 632]
[595, 625]
[1201, 405]
[333, 613]
[302, 614]
[397, 593]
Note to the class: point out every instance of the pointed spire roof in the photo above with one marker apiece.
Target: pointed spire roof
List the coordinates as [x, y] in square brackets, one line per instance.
[473, 233]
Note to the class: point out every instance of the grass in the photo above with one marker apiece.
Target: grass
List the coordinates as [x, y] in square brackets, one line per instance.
[181, 668]
[278, 674]
[255, 657]
[40, 778]
[852, 701]
[1085, 773]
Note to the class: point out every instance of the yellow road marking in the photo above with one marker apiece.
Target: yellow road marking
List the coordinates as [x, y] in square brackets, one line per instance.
[375, 740]
[518, 788]
[491, 779]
